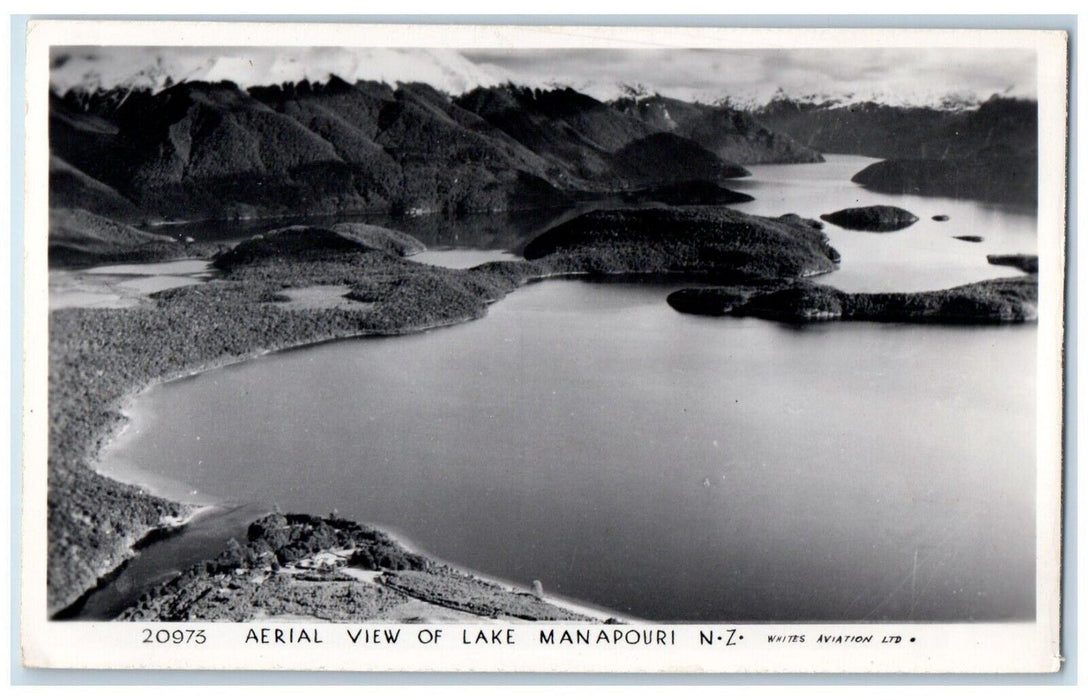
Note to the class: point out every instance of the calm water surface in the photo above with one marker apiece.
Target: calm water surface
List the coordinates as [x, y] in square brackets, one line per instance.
[924, 256]
[666, 466]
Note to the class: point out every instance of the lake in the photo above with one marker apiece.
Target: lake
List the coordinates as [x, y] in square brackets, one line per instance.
[922, 257]
[665, 466]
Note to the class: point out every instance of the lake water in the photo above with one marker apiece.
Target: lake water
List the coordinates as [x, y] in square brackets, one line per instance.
[924, 256]
[665, 466]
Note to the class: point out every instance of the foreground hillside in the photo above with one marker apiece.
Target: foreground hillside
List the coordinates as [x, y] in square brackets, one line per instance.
[335, 570]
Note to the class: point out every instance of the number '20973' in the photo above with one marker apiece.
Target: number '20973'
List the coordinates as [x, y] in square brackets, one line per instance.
[180, 636]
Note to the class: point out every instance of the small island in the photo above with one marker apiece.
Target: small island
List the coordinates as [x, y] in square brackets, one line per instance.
[707, 242]
[877, 218]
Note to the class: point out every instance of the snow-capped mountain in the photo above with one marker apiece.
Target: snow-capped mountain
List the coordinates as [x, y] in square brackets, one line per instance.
[155, 68]
[90, 69]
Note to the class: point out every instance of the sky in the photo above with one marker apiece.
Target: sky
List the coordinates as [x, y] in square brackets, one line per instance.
[756, 75]
[750, 76]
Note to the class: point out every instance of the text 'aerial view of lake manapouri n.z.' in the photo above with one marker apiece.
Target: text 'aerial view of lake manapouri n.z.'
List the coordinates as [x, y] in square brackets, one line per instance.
[372, 348]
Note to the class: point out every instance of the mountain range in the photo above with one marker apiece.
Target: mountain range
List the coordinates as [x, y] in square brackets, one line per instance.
[1000, 126]
[988, 153]
[213, 150]
[745, 79]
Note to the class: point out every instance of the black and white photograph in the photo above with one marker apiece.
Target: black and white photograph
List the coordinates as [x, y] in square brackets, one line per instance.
[603, 345]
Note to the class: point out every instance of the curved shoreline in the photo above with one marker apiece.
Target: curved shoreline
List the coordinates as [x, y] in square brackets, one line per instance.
[411, 574]
[578, 606]
[194, 329]
[196, 508]
[157, 534]
[189, 510]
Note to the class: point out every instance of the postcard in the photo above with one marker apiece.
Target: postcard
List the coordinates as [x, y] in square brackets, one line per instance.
[528, 348]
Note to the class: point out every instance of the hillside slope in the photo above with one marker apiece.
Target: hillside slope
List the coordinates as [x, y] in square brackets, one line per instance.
[80, 238]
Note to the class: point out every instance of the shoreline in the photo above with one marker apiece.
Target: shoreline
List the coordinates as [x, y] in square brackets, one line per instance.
[586, 609]
[123, 408]
[138, 538]
[578, 606]
[155, 534]
[410, 298]
[319, 559]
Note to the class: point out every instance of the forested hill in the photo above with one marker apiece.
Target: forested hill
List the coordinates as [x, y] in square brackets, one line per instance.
[213, 150]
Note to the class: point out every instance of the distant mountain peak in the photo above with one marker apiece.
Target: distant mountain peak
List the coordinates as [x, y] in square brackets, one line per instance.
[948, 101]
